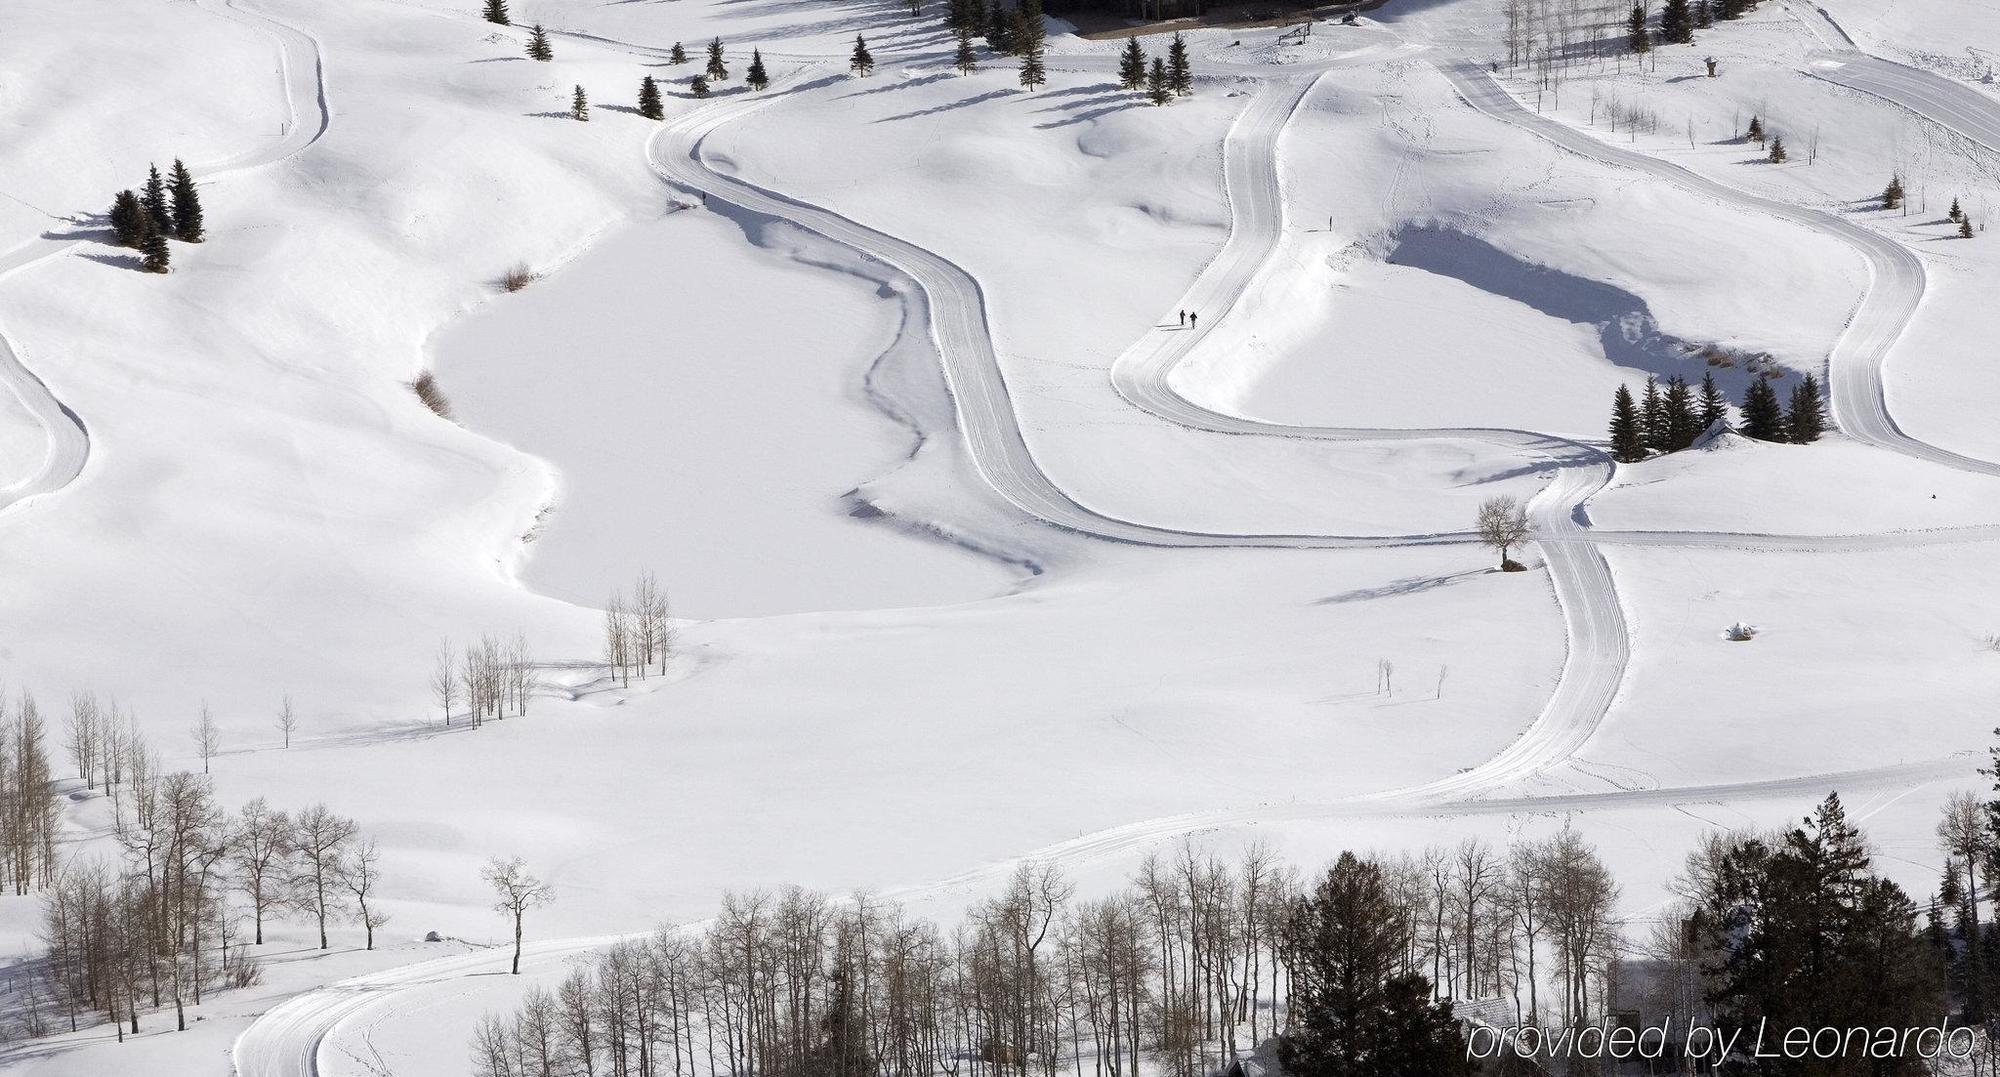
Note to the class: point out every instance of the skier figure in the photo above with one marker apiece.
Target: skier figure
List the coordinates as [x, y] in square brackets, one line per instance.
[1193, 319]
[1183, 319]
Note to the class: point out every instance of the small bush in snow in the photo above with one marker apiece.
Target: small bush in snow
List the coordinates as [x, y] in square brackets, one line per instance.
[426, 388]
[517, 278]
[1740, 632]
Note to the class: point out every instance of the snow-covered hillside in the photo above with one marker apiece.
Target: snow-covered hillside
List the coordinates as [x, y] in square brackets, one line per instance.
[980, 550]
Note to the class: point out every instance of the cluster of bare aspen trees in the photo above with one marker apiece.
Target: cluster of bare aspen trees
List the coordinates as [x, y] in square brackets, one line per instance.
[1553, 36]
[491, 679]
[164, 923]
[27, 812]
[1180, 970]
[638, 632]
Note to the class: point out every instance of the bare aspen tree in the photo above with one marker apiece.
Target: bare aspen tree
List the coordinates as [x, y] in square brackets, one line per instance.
[444, 679]
[618, 640]
[319, 842]
[260, 849]
[1503, 524]
[288, 720]
[516, 890]
[360, 873]
[84, 733]
[207, 737]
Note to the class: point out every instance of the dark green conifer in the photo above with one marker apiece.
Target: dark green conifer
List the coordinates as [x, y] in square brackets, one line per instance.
[1956, 213]
[861, 61]
[579, 105]
[158, 216]
[1892, 195]
[756, 77]
[699, 87]
[187, 206]
[1683, 422]
[1807, 418]
[1132, 66]
[1714, 407]
[677, 54]
[1777, 156]
[154, 256]
[1000, 30]
[1627, 442]
[1180, 77]
[1636, 37]
[128, 219]
[538, 44]
[1761, 417]
[1653, 418]
[496, 12]
[1159, 85]
[1676, 22]
[717, 71]
[1756, 131]
[650, 105]
[965, 59]
[1965, 228]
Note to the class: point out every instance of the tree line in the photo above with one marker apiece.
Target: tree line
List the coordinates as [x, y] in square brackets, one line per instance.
[1664, 420]
[163, 923]
[1177, 973]
[145, 220]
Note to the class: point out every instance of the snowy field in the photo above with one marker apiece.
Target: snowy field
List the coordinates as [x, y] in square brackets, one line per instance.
[977, 551]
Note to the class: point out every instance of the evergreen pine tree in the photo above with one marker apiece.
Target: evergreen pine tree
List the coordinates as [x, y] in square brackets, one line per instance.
[649, 99]
[128, 219]
[965, 59]
[916, 8]
[717, 71]
[1756, 130]
[1683, 422]
[1777, 155]
[158, 218]
[1627, 441]
[1676, 22]
[496, 12]
[1965, 228]
[1653, 418]
[1000, 30]
[187, 205]
[1132, 66]
[698, 87]
[862, 62]
[957, 15]
[1704, 15]
[1033, 74]
[538, 44]
[1807, 418]
[579, 105]
[1892, 195]
[756, 77]
[154, 256]
[1956, 213]
[1714, 407]
[1159, 85]
[1761, 419]
[1180, 77]
[677, 54]
[1636, 37]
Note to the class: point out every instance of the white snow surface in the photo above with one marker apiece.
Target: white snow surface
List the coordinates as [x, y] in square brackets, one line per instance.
[980, 553]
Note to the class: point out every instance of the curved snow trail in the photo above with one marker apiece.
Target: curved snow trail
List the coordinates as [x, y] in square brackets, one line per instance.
[1897, 278]
[1944, 101]
[301, 74]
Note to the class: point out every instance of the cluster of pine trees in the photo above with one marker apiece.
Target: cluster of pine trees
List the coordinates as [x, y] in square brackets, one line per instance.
[1192, 963]
[1794, 930]
[1162, 80]
[1670, 419]
[145, 221]
[1679, 19]
[1017, 31]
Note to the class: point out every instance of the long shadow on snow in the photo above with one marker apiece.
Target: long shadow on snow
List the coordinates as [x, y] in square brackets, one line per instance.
[1624, 323]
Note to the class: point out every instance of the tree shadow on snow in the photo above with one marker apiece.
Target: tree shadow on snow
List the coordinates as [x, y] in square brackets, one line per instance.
[990, 95]
[1409, 585]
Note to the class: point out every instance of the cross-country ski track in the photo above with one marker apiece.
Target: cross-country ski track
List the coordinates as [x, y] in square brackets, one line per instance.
[289, 1039]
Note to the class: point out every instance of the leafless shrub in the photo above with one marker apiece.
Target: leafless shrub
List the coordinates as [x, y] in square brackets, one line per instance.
[517, 278]
[426, 388]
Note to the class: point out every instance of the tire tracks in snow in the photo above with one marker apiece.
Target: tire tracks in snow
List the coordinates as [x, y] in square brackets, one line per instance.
[301, 74]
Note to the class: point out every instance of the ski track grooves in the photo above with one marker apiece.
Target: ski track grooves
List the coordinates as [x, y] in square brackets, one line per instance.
[287, 1041]
[301, 74]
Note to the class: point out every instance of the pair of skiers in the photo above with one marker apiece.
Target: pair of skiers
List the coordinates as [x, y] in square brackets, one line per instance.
[1189, 319]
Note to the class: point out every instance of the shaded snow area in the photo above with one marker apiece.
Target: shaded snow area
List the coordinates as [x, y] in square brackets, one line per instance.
[977, 548]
